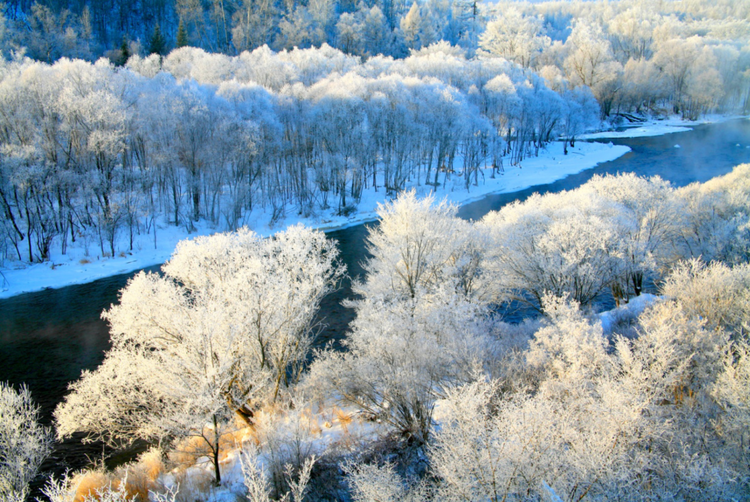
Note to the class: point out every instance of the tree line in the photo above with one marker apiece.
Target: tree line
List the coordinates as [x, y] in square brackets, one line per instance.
[688, 56]
[96, 152]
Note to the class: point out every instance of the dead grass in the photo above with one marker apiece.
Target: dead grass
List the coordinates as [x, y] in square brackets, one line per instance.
[152, 463]
[89, 486]
[343, 418]
[233, 440]
[137, 485]
[187, 451]
[84, 261]
[140, 479]
[312, 420]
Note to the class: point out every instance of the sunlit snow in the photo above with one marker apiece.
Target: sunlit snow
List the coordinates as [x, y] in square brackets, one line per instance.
[83, 262]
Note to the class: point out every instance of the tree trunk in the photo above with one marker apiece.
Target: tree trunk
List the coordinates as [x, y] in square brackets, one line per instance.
[217, 470]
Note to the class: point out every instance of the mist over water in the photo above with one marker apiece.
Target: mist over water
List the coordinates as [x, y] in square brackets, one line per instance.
[707, 151]
[47, 338]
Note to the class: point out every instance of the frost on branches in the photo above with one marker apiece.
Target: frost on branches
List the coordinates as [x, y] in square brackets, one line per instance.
[650, 402]
[662, 416]
[573, 411]
[421, 321]
[24, 444]
[223, 330]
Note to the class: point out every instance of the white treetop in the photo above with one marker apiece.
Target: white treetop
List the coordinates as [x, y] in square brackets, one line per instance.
[223, 330]
[24, 444]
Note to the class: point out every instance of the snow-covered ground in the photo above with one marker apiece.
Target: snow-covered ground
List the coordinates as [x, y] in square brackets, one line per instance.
[656, 127]
[311, 432]
[84, 263]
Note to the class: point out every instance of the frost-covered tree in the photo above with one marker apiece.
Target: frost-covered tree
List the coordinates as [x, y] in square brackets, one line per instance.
[717, 294]
[713, 220]
[643, 85]
[224, 330]
[258, 487]
[675, 58]
[643, 217]
[418, 247]
[421, 320]
[631, 32]
[590, 62]
[556, 243]
[636, 419]
[371, 482]
[24, 443]
[411, 26]
[732, 391]
[580, 112]
[515, 37]
[253, 24]
[573, 427]
[400, 355]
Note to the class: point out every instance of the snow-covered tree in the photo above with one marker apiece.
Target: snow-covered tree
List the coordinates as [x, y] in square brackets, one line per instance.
[635, 418]
[717, 294]
[400, 355]
[421, 320]
[224, 330]
[418, 247]
[258, 487]
[411, 27]
[713, 220]
[254, 22]
[590, 62]
[631, 32]
[24, 443]
[557, 243]
[515, 37]
[643, 217]
[580, 113]
[643, 85]
[374, 482]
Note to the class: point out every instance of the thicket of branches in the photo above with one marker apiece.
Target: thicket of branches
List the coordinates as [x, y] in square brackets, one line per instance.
[379, 94]
[646, 406]
[647, 402]
[691, 55]
[93, 152]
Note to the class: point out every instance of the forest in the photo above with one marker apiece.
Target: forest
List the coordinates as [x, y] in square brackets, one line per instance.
[89, 149]
[121, 117]
[305, 118]
[436, 396]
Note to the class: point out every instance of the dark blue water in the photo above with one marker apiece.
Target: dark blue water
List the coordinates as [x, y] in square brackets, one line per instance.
[48, 338]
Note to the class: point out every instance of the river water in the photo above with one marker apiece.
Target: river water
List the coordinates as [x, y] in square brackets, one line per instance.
[48, 338]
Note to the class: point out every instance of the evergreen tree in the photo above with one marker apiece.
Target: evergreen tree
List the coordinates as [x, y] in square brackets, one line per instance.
[157, 44]
[182, 37]
[124, 52]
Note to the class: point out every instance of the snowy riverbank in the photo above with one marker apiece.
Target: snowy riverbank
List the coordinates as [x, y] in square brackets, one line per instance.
[657, 127]
[84, 263]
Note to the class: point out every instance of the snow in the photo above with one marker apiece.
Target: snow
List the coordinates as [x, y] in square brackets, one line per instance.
[631, 310]
[84, 262]
[313, 431]
[657, 128]
[643, 131]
